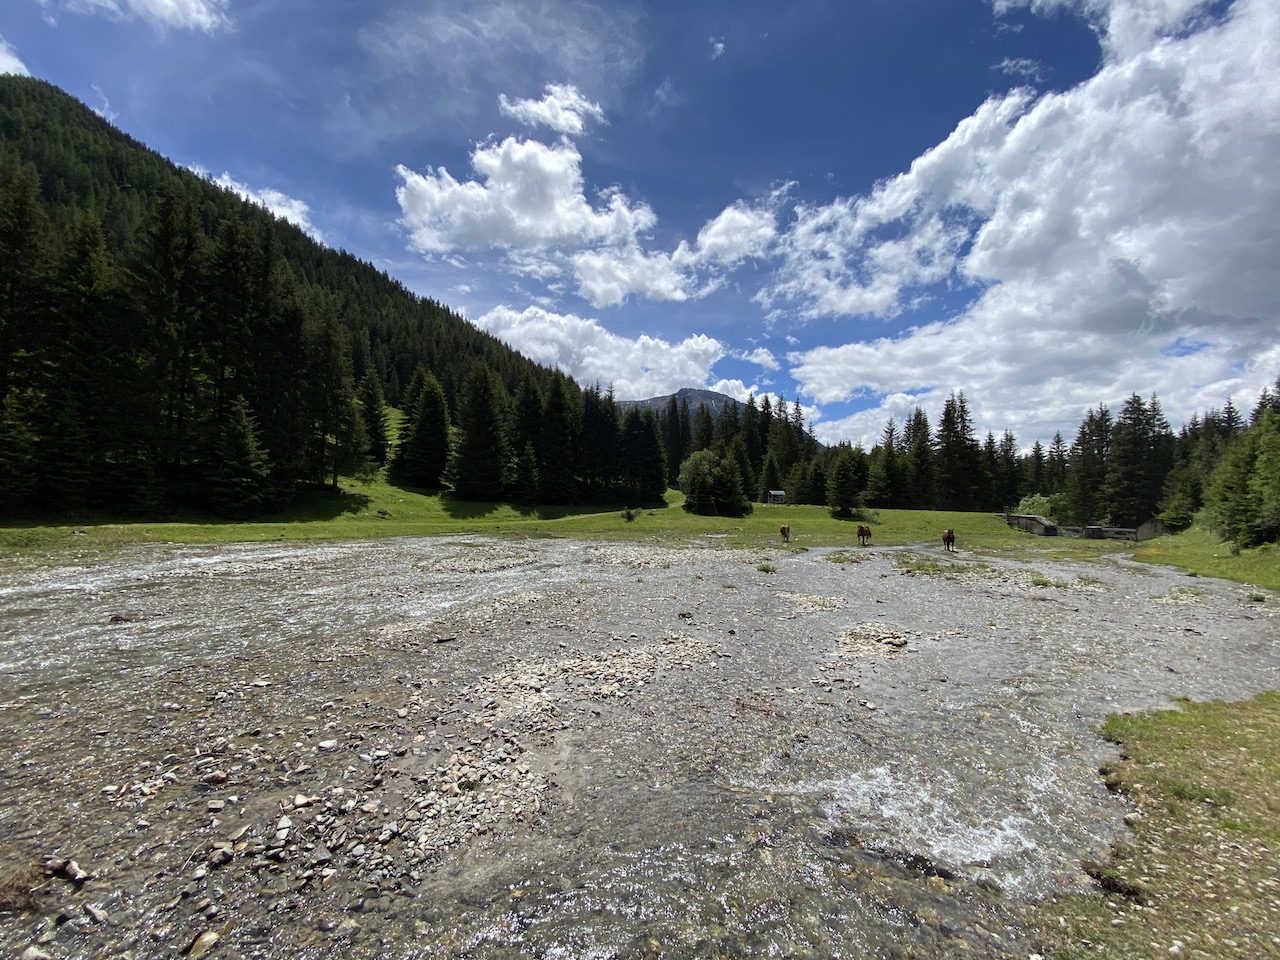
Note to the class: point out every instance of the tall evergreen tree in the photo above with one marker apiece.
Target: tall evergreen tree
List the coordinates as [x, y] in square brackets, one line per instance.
[1008, 478]
[959, 462]
[373, 414]
[646, 467]
[885, 481]
[1087, 468]
[1137, 464]
[843, 484]
[1035, 470]
[673, 439]
[480, 466]
[238, 475]
[423, 453]
[336, 439]
[1056, 467]
[703, 429]
[918, 466]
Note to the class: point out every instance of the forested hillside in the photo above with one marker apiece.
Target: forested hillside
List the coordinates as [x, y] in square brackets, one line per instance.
[164, 341]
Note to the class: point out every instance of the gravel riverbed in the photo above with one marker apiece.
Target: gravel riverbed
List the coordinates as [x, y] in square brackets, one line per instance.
[465, 747]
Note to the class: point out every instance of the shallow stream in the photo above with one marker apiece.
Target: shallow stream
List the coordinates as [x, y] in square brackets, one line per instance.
[552, 748]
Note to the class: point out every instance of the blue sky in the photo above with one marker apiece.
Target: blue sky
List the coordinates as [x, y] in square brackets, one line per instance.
[863, 206]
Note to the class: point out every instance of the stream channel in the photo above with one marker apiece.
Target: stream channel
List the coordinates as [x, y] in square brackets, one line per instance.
[470, 747]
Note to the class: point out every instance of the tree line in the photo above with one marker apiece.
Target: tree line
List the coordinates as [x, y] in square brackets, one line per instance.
[165, 343]
[1120, 470]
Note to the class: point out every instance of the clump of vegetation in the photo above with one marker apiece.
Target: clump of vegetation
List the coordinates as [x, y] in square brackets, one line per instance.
[767, 568]
[844, 556]
[1200, 875]
[917, 564]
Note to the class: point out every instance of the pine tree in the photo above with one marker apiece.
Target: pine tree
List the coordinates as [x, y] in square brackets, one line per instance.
[238, 475]
[423, 454]
[703, 429]
[770, 477]
[1035, 470]
[918, 464]
[959, 461]
[642, 456]
[373, 414]
[480, 464]
[843, 490]
[560, 450]
[17, 455]
[671, 439]
[1087, 469]
[1008, 478]
[1056, 467]
[337, 443]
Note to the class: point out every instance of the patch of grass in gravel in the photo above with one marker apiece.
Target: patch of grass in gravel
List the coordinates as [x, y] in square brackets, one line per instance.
[1200, 876]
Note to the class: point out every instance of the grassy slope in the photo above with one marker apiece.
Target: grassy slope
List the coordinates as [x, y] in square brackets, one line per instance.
[378, 509]
[1201, 874]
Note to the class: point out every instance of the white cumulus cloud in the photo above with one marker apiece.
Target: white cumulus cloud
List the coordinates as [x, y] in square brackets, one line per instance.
[529, 196]
[296, 211]
[635, 367]
[563, 109]
[9, 62]
[1118, 236]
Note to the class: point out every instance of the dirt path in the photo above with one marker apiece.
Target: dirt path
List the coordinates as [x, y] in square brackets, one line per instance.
[446, 748]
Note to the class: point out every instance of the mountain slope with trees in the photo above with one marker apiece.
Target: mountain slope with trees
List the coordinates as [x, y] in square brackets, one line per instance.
[165, 342]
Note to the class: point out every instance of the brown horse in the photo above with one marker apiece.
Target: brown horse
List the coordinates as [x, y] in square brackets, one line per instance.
[948, 539]
[864, 536]
[785, 531]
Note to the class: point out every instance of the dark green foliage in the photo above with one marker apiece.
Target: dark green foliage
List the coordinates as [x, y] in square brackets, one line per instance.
[886, 480]
[157, 302]
[559, 442]
[770, 477]
[1087, 469]
[703, 429]
[480, 467]
[423, 451]
[1139, 460]
[601, 465]
[373, 414]
[17, 455]
[958, 460]
[1243, 497]
[646, 465]
[712, 485]
[844, 488]
[237, 478]
[918, 468]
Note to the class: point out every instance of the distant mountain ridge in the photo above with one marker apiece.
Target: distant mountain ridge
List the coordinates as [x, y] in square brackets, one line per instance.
[715, 402]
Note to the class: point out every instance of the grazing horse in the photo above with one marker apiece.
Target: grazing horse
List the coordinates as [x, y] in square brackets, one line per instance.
[864, 536]
[949, 539]
[785, 531]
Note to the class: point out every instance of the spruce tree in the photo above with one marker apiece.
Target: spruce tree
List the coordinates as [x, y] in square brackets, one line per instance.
[480, 466]
[843, 493]
[423, 453]
[373, 414]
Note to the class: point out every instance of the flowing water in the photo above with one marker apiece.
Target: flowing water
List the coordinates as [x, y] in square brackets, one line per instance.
[552, 748]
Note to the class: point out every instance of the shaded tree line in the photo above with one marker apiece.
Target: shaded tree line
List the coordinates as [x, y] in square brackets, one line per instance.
[163, 342]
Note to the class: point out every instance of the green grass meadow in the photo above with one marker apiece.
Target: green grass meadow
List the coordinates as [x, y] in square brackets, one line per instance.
[378, 509]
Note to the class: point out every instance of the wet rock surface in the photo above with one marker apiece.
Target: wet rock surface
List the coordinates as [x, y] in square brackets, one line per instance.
[468, 747]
